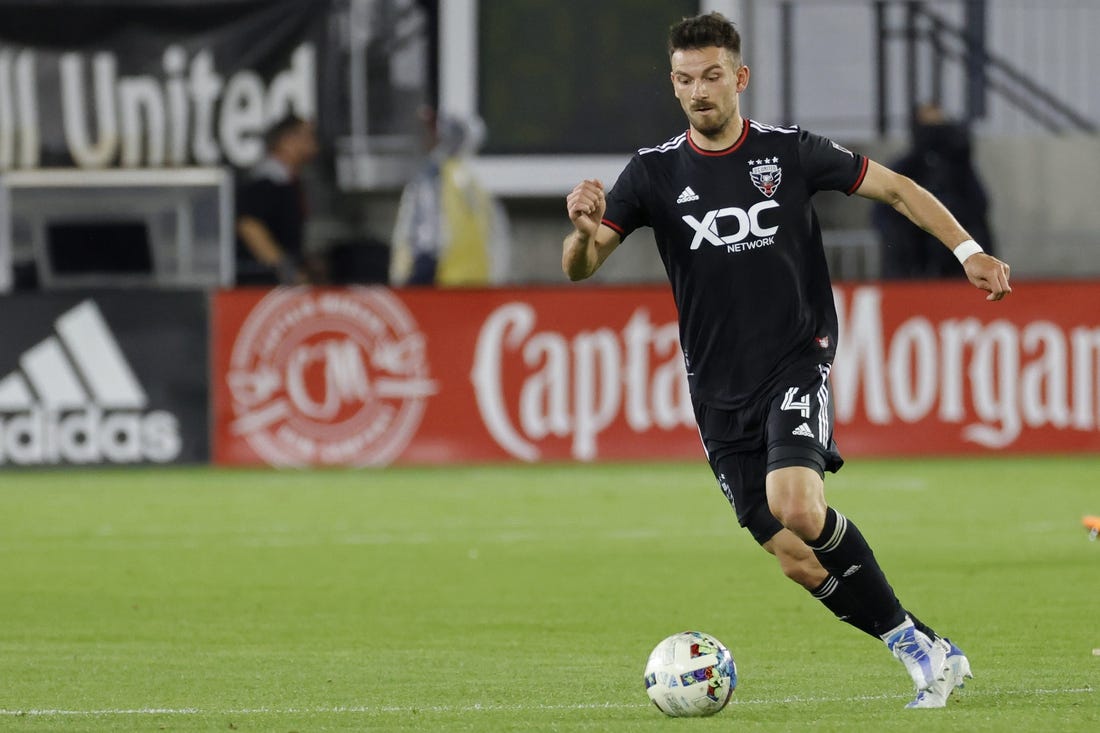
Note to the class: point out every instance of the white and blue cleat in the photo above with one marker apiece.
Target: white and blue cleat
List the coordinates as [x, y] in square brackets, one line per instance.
[958, 663]
[924, 659]
[955, 672]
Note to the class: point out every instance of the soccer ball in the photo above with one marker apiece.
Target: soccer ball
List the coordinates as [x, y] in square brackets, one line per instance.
[690, 674]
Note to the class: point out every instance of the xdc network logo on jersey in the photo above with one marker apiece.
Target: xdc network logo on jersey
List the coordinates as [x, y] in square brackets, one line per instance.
[75, 399]
[747, 223]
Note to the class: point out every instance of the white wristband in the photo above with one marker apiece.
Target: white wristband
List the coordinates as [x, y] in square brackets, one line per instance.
[967, 248]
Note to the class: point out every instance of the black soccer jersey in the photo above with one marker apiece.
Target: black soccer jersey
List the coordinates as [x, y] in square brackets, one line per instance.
[741, 244]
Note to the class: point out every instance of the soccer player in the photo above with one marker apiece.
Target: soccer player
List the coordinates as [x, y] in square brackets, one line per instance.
[729, 203]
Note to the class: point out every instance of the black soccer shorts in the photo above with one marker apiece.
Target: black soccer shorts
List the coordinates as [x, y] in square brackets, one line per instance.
[791, 426]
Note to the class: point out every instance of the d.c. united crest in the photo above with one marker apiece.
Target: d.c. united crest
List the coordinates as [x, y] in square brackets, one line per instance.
[766, 175]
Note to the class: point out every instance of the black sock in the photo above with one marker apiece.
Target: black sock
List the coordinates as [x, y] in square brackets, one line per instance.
[842, 550]
[922, 627]
[837, 597]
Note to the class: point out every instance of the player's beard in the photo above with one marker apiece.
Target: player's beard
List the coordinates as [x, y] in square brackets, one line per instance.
[710, 128]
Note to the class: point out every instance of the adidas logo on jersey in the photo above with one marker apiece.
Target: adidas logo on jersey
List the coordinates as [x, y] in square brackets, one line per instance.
[75, 399]
[803, 430]
[687, 195]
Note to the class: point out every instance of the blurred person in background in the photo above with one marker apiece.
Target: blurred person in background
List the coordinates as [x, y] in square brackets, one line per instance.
[941, 161]
[272, 208]
[450, 231]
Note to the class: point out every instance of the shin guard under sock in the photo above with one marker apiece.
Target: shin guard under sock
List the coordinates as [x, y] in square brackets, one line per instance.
[842, 550]
[837, 597]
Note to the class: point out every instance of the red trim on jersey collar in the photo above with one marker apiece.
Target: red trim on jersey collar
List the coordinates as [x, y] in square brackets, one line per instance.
[724, 151]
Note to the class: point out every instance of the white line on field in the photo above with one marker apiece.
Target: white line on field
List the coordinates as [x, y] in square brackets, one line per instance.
[477, 707]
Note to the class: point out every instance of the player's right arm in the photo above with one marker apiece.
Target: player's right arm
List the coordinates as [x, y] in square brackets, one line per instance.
[590, 242]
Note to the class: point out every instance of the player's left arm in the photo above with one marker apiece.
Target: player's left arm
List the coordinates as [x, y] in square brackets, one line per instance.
[926, 211]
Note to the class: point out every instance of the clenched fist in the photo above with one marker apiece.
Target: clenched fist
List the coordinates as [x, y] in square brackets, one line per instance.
[586, 206]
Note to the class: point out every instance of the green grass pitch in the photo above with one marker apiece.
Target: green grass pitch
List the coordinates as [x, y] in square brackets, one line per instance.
[525, 598]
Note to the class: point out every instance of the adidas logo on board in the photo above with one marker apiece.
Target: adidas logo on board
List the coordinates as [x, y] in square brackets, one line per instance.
[76, 399]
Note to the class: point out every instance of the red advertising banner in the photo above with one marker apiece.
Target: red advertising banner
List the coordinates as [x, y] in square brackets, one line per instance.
[371, 376]
[926, 369]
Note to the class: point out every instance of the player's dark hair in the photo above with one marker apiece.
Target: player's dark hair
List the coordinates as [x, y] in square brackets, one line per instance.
[287, 125]
[704, 31]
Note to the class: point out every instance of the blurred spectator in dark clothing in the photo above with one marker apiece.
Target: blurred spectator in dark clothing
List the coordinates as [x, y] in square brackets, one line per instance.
[940, 160]
[271, 208]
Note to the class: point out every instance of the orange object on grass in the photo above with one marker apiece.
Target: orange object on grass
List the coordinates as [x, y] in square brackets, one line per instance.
[1093, 525]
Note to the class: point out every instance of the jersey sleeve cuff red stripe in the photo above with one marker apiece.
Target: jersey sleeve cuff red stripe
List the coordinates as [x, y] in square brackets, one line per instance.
[613, 225]
[859, 179]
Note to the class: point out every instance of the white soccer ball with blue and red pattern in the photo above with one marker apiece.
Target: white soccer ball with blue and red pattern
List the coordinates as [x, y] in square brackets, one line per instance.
[690, 674]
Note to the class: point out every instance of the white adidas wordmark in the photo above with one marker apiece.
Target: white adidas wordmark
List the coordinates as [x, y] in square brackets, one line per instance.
[687, 195]
[803, 430]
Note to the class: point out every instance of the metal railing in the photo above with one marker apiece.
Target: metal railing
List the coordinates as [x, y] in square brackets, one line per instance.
[858, 68]
[964, 44]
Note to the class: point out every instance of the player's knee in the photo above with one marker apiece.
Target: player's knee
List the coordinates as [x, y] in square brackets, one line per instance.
[796, 498]
[805, 516]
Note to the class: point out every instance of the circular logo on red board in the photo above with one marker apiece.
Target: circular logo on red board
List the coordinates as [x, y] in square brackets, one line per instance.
[329, 377]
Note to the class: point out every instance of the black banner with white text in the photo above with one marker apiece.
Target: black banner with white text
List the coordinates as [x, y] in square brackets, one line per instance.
[104, 378]
[149, 85]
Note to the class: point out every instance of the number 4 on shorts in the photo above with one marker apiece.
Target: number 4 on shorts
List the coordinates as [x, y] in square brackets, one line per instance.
[790, 403]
